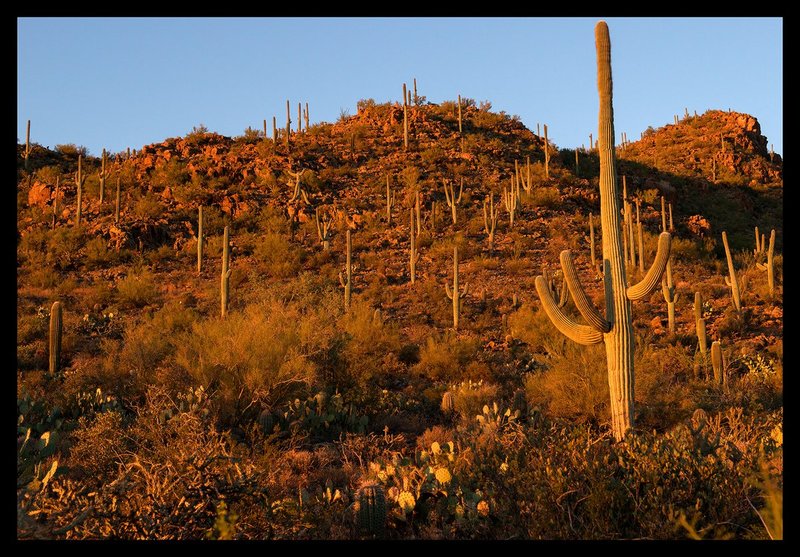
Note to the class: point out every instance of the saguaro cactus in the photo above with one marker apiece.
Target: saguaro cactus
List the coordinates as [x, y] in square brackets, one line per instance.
[616, 329]
[199, 239]
[389, 202]
[226, 274]
[299, 117]
[546, 155]
[298, 192]
[769, 266]
[510, 200]
[490, 219]
[640, 235]
[448, 402]
[417, 209]
[349, 271]
[323, 229]
[414, 254]
[372, 509]
[731, 280]
[455, 295]
[274, 129]
[103, 176]
[55, 337]
[288, 122]
[405, 119]
[459, 115]
[718, 362]
[670, 296]
[80, 179]
[452, 200]
[700, 325]
[592, 256]
[305, 116]
[116, 201]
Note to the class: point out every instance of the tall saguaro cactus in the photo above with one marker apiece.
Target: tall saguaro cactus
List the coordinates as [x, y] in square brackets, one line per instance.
[405, 119]
[616, 328]
[103, 176]
[546, 155]
[510, 200]
[670, 296]
[80, 179]
[731, 280]
[323, 229]
[455, 295]
[226, 274]
[459, 115]
[389, 202]
[288, 122]
[769, 266]
[414, 253]
[349, 271]
[116, 201]
[490, 220]
[452, 200]
[55, 337]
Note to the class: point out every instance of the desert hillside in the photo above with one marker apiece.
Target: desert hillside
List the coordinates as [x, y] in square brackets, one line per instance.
[300, 409]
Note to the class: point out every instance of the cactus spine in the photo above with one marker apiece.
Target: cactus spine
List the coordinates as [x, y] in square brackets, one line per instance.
[452, 200]
[414, 254]
[349, 271]
[323, 229]
[616, 329]
[79, 181]
[55, 338]
[731, 280]
[405, 119]
[769, 267]
[718, 362]
[490, 220]
[372, 509]
[389, 202]
[455, 295]
[226, 274]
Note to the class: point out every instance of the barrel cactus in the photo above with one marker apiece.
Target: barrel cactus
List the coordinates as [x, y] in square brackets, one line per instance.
[372, 509]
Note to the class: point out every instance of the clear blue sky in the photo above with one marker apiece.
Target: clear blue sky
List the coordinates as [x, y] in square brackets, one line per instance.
[128, 82]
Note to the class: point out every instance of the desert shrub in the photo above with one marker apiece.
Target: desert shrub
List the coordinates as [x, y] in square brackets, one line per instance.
[280, 257]
[371, 345]
[445, 357]
[147, 206]
[152, 341]
[545, 197]
[138, 289]
[97, 253]
[164, 475]
[263, 353]
[574, 385]
[469, 397]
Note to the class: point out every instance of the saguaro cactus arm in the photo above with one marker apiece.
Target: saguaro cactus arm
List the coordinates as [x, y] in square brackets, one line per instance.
[582, 334]
[650, 282]
[582, 301]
